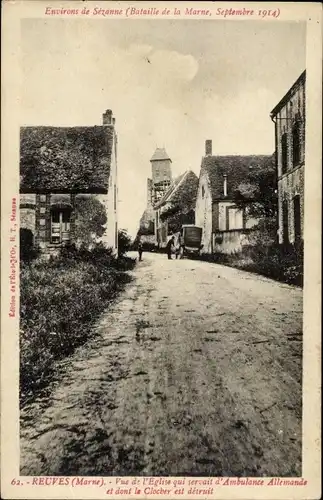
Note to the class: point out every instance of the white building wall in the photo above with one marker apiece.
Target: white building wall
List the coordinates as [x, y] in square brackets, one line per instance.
[110, 200]
[203, 212]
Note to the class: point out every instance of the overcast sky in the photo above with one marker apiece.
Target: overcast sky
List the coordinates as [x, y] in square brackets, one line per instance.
[170, 84]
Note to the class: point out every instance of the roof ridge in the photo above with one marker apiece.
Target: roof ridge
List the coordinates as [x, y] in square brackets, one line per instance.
[173, 187]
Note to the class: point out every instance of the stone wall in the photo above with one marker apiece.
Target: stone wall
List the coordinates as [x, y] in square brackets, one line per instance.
[230, 241]
[291, 182]
[161, 170]
[285, 120]
[290, 186]
[148, 238]
[88, 217]
[28, 212]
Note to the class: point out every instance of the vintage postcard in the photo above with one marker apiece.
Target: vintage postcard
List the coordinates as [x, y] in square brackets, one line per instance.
[161, 209]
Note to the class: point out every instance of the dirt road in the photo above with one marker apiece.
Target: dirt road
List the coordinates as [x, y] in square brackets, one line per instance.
[196, 370]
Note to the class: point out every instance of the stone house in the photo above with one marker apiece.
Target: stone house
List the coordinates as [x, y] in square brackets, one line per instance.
[176, 207]
[289, 119]
[68, 185]
[226, 227]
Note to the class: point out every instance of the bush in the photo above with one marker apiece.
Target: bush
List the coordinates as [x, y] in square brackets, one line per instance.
[59, 300]
[98, 254]
[28, 251]
[124, 242]
[282, 263]
[90, 220]
[149, 247]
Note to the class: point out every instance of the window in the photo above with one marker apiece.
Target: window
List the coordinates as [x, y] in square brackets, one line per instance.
[60, 226]
[235, 218]
[284, 153]
[297, 218]
[203, 191]
[285, 222]
[296, 143]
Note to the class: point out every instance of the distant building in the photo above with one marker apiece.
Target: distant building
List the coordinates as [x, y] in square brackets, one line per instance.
[161, 168]
[157, 185]
[68, 185]
[225, 226]
[289, 119]
[176, 207]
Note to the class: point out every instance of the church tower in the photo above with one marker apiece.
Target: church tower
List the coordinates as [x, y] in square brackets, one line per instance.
[161, 174]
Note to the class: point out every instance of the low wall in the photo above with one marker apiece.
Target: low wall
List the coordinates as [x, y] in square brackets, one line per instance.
[230, 241]
[148, 240]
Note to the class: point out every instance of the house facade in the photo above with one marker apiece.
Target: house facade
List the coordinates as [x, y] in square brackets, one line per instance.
[176, 207]
[68, 185]
[225, 226]
[289, 118]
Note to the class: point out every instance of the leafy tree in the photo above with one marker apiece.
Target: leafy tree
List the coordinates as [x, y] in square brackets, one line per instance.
[259, 192]
[124, 242]
[147, 229]
[90, 220]
[28, 251]
[177, 220]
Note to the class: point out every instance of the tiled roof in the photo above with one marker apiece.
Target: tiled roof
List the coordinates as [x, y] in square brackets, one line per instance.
[183, 188]
[236, 168]
[167, 196]
[65, 158]
[160, 154]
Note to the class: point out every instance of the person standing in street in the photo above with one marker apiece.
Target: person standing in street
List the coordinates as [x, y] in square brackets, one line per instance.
[170, 247]
[140, 250]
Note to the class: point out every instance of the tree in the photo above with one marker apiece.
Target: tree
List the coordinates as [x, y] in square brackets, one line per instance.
[260, 192]
[90, 220]
[124, 241]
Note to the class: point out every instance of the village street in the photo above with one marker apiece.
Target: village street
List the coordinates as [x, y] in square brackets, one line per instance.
[195, 370]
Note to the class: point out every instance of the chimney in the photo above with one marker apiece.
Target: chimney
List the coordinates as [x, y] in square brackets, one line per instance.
[107, 118]
[208, 147]
[225, 185]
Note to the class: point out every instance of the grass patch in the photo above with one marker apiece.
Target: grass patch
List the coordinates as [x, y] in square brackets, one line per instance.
[59, 300]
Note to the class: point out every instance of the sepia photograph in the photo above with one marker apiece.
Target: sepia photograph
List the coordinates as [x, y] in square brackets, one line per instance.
[161, 248]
